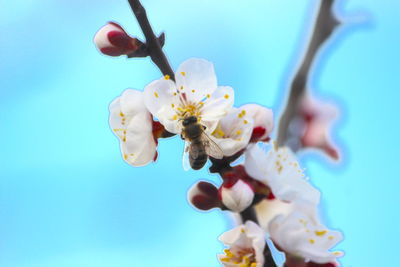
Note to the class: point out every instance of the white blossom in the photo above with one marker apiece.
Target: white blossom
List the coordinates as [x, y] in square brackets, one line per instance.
[280, 170]
[246, 246]
[234, 131]
[302, 235]
[263, 120]
[112, 40]
[238, 197]
[195, 93]
[132, 124]
[268, 209]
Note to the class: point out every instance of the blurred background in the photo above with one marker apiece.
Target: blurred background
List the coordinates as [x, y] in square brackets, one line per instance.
[68, 199]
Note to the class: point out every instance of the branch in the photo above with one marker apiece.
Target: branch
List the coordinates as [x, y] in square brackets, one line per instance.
[249, 214]
[154, 47]
[325, 24]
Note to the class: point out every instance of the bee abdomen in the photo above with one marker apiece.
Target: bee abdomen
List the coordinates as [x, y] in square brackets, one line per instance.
[201, 159]
[198, 162]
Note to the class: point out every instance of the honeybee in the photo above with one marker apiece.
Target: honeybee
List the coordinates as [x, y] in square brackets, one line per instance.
[198, 145]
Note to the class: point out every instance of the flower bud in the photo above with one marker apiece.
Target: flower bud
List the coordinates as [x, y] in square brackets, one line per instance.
[237, 197]
[263, 121]
[112, 40]
[204, 196]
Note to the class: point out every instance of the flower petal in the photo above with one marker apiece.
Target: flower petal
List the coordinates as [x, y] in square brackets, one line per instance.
[216, 107]
[161, 99]
[196, 77]
[132, 123]
[233, 132]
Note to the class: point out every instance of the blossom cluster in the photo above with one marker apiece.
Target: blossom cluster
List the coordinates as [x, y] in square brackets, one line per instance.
[193, 106]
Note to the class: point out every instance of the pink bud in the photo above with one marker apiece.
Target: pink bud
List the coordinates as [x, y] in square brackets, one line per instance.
[112, 40]
[317, 118]
[204, 196]
[237, 197]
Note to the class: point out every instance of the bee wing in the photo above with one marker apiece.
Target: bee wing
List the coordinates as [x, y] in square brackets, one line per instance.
[185, 159]
[212, 149]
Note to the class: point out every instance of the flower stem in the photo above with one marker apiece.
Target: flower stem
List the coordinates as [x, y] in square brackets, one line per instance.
[249, 214]
[153, 45]
[325, 24]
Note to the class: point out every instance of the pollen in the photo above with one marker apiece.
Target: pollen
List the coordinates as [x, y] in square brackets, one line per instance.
[208, 95]
[238, 132]
[312, 241]
[242, 114]
[181, 87]
[156, 94]
[193, 91]
[121, 114]
[175, 93]
[183, 73]
[172, 105]
[245, 122]
[321, 233]
[226, 96]
[167, 77]
[175, 117]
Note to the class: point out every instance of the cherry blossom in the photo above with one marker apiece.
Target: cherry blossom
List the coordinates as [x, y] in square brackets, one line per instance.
[133, 125]
[317, 118]
[263, 121]
[246, 245]
[112, 40]
[280, 170]
[195, 93]
[300, 234]
[233, 132]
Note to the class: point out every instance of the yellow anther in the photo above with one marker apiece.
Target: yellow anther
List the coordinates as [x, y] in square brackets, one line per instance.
[238, 132]
[156, 94]
[181, 87]
[175, 93]
[193, 91]
[312, 241]
[321, 233]
[124, 139]
[253, 264]
[242, 231]
[121, 114]
[172, 105]
[167, 77]
[126, 156]
[175, 117]
[226, 96]
[331, 237]
[245, 122]
[183, 73]
[208, 95]
[228, 253]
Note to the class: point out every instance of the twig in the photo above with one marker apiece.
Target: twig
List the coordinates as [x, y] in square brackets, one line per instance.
[325, 24]
[249, 214]
[153, 45]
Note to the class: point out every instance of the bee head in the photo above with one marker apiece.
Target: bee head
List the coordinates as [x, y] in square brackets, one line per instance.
[189, 120]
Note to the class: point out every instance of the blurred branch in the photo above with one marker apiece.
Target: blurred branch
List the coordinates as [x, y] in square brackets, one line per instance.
[153, 44]
[325, 24]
